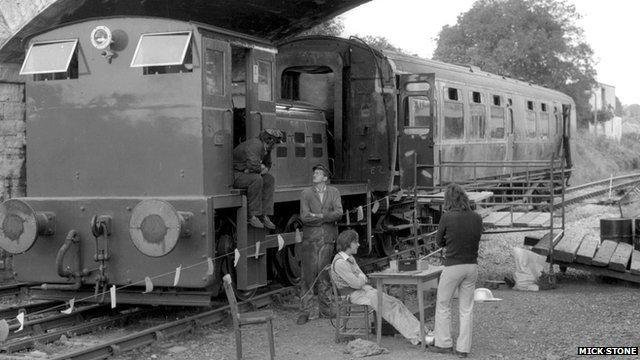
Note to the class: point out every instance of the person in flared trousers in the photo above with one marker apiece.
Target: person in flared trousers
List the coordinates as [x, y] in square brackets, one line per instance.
[459, 233]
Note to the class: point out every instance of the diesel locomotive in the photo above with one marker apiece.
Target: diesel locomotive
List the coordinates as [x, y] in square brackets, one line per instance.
[131, 122]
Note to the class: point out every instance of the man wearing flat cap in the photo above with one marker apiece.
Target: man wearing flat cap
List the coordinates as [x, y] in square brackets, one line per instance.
[251, 165]
[320, 209]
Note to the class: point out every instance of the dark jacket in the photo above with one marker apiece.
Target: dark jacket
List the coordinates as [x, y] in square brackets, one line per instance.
[316, 228]
[249, 155]
[459, 232]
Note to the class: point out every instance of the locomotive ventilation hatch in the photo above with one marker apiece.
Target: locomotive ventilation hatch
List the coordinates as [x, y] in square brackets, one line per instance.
[155, 227]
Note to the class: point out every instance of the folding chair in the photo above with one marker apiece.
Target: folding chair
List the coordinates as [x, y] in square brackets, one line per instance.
[247, 318]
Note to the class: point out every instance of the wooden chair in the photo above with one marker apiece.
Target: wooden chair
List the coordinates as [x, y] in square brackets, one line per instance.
[352, 320]
[247, 318]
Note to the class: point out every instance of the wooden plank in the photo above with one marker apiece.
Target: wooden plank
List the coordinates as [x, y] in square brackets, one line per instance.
[507, 220]
[628, 276]
[531, 240]
[604, 253]
[587, 249]
[526, 218]
[635, 262]
[541, 221]
[567, 248]
[620, 258]
[542, 247]
[494, 217]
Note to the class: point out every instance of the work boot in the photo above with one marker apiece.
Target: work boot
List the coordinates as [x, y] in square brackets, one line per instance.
[440, 350]
[255, 222]
[267, 223]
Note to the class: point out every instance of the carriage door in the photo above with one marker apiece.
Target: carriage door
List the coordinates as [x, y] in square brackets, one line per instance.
[416, 114]
[217, 115]
[261, 108]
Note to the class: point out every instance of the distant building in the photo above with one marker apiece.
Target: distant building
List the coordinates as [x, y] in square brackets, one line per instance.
[603, 104]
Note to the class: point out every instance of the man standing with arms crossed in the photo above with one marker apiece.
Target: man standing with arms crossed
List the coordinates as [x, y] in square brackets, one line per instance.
[320, 209]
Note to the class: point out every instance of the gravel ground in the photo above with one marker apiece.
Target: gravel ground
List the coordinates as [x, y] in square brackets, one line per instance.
[582, 311]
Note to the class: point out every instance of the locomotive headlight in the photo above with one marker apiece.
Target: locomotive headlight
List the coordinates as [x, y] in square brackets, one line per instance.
[101, 37]
[20, 225]
[155, 227]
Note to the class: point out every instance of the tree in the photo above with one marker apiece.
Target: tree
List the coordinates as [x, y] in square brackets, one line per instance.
[619, 108]
[380, 43]
[632, 111]
[332, 27]
[533, 40]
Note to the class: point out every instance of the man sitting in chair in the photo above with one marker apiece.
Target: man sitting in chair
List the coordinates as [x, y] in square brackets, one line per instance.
[351, 281]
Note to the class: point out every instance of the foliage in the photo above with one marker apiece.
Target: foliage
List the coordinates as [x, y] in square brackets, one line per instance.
[332, 27]
[632, 111]
[619, 108]
[603, 115]
[381, 43]
[533, 40]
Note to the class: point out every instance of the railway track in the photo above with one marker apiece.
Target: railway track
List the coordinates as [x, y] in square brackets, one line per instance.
[578, 193]
[51, 326]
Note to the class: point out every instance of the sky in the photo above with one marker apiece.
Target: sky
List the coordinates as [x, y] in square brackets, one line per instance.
[611, 28]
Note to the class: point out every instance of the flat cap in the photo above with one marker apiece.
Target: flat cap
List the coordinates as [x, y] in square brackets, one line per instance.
[275, 133]
[322, 167]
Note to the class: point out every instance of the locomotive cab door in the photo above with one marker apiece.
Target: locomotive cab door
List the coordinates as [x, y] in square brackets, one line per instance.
[217, 115]
[261, 105]
[416, 115]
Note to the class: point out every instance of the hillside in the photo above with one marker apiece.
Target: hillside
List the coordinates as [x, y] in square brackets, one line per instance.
[596, 158]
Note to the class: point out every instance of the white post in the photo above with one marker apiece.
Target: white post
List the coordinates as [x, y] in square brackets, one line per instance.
[610, 185]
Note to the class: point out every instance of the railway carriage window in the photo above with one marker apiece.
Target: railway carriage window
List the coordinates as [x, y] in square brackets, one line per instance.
[531, 120]
[452, 94]
[164, 53]
[264, 80]
[558, 119]
[453, 115]
[544, 121]
[419, 111]
[317, 152]
[51, 60]
[496, 123]
[497, 100]
[478, 116]
[298, 137]
[317, 138]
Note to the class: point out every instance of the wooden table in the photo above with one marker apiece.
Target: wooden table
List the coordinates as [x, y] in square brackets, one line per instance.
[417, 278]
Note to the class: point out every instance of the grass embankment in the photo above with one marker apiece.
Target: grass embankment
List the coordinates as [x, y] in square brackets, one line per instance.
[596, 157]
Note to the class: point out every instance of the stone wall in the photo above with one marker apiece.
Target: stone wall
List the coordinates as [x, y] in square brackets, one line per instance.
[12, 133]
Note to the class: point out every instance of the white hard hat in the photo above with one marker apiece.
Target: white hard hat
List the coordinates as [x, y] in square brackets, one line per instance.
[484, 294]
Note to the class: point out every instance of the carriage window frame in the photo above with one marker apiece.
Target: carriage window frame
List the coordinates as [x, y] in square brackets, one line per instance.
[183, 53]
[531, 118]
[453, 98]
[68, 54]
[410, 114]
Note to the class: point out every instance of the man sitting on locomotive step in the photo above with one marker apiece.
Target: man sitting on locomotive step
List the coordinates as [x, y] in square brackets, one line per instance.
[251, 165]
[351, 281]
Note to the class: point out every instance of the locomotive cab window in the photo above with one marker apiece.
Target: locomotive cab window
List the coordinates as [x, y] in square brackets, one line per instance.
[453, 115]
[51, 60]
[418, 112]
[164, 53]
